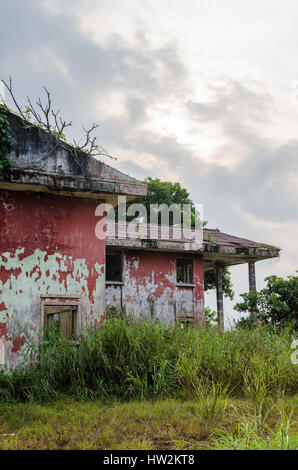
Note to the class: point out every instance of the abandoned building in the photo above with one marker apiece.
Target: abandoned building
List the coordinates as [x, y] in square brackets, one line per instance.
[54, 268]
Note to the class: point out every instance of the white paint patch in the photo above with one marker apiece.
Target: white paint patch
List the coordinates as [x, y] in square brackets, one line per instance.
[2, 352]
[136, 264]
[40, 274]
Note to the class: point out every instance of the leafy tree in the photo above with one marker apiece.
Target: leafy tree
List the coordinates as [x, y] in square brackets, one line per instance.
[210, 317]
[172, 193]
[165, 192]
[276, 304]
[210, 282]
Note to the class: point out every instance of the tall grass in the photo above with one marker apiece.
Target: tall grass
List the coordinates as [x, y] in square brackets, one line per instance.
[148, 360]
[250, 434]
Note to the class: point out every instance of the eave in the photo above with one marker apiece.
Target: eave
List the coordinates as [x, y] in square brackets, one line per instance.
[74, 186]
[234, 250]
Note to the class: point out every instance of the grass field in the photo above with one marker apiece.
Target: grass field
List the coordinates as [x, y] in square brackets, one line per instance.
[142, 385]
[162, 424]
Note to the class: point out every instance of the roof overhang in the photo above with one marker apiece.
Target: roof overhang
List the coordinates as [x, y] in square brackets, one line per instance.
[223, 249]
[226, 255]
[75, 186]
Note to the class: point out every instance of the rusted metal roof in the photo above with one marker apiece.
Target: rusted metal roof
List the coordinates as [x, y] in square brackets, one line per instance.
[221, 238]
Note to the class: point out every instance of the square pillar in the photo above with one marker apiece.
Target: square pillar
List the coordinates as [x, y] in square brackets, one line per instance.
[252, 280]
[252, 276]
[219, 296]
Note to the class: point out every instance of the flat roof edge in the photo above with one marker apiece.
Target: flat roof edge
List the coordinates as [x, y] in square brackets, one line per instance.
[43, 181]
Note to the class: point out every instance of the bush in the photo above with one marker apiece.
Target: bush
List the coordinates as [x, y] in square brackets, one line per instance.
[276, 304]
[210, 317]
[149, 360]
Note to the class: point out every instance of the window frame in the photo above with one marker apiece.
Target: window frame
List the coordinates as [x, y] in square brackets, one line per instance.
[121, 255]
[187, 282]
[71, 301]
[67, 326]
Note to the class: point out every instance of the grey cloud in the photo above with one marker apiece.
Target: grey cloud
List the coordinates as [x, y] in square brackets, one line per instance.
[258, 180]
[43, 45]
[234, 101]
[136, 108]
[51, 50]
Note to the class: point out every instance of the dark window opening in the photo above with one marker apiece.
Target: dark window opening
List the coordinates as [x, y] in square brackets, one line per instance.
[114, 267]
[61, 318]
[184, 271]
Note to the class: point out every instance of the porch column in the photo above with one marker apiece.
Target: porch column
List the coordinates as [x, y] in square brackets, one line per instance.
[219, 296]
[252, 279]
[252, 276]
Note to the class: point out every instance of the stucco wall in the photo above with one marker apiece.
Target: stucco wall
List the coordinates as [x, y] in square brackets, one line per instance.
[149, 287]
[48, 251]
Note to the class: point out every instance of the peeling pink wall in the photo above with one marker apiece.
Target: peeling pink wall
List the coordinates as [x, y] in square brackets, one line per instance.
[150, 288]
[48, 248]
[49, 253]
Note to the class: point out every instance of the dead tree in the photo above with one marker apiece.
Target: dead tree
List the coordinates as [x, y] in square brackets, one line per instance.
[44, 116]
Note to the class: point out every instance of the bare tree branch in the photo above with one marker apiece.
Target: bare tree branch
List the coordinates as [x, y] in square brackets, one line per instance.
[49, 120]
[34, 113]
[46, 109]
[9, 88]
[90, 145]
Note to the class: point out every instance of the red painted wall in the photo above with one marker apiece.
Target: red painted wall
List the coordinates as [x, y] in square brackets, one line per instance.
[48, 247]
[149, 282]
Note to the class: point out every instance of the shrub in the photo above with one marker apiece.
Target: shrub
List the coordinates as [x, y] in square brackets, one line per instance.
[210, 317]
[276, 304]
[149, 360]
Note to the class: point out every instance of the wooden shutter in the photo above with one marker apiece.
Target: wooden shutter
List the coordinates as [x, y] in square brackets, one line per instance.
[67, 322]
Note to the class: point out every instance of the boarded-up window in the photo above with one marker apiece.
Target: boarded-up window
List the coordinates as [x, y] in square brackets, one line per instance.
[64, 317]
[184, 270]
[184, 312]
[114, 267]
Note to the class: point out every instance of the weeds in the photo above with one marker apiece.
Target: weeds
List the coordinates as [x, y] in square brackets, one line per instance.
[248, 436]
[149, 360]
[212, 401]
[145, 424]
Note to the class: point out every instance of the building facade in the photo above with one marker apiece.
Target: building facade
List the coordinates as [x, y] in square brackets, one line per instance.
[165, 286]
[54, 267]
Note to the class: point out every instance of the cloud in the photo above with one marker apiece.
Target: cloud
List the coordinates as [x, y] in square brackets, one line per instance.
[234, 101]
[257, 177]
[81, 74]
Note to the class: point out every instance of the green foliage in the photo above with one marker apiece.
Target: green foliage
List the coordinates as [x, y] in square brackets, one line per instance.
[276, 304]
[249, 435]
[208, 237]
[28, 116]
[210, 282]
[210, 317]
[149, 360]
[5, 143]
[113, 312]
[207, 422]
[166, 192]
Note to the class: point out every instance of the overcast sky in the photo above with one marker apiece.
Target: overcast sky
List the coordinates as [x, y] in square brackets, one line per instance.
[200, 92]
